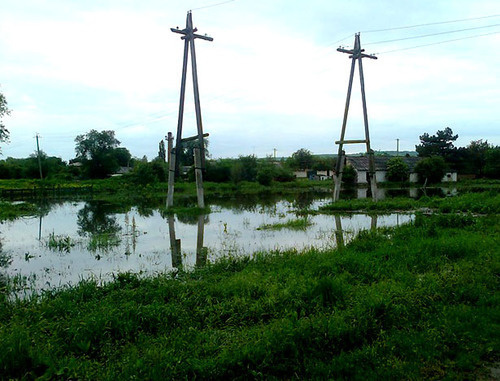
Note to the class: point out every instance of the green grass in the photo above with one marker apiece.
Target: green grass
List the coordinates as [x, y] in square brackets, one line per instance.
[295, 224]
[415, 302]
[482, 202]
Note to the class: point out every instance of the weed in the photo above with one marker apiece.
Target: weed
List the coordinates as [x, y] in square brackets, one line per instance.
[296, 224]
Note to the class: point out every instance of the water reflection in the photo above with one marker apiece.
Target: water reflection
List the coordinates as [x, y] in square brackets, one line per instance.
[97, 221]
[146, 240]
[383, 193]
[175, 243]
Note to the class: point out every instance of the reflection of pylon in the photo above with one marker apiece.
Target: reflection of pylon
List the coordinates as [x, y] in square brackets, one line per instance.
[356, 54]
[189, 35]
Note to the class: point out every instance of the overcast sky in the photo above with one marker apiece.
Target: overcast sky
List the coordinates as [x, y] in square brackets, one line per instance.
[271, 79]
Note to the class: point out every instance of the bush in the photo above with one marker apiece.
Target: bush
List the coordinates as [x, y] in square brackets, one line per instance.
[349, 175]
[431, 168]
[397, 170]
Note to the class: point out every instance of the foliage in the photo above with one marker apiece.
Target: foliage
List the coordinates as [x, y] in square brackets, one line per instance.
[349, 175]
[4, 110]
[397, 170]
[219, 171]
[492, 166]
[414, 302]
[147, 173]
[52, 167]
[440, 144]
[97, 151]
[478, 151]
[301, 159]
[244, 169]
[482, 202]
[431, 168]
[295, 224]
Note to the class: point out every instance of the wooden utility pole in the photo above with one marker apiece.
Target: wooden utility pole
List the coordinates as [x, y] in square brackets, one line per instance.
[188, 35]
[38, 155]
[356, 54]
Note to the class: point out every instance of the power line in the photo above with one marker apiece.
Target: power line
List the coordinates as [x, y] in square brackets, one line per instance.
[213, 5]
[432, 34]
[437, 43]
[428, 24]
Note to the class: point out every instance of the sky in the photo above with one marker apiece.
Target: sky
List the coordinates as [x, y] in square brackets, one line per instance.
[271, 79]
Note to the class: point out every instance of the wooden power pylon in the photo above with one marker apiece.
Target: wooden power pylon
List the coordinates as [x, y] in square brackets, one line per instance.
[188, 35]
[356, 54]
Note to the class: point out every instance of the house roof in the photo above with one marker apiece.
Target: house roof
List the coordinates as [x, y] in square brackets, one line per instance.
[361, 163]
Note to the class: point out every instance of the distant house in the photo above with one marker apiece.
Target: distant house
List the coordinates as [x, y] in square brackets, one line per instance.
[361, 165]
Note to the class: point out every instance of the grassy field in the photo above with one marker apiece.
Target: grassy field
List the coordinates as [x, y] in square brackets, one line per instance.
[415, 302]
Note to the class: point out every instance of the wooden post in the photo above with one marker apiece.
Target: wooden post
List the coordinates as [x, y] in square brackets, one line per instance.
[170, 145]
[171, 180]
[199, 178]
[197, 105]
[371, 160]
[175, 244]
[201, 252]
[339, 234]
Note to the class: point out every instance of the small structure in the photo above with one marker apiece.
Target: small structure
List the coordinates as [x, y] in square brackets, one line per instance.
[361, 164]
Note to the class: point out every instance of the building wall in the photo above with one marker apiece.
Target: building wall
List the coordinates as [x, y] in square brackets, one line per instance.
[380, 176]
[413, 177]
[449, 177]
[301, 174]
[362, 177]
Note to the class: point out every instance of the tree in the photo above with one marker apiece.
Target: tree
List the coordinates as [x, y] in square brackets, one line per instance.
[431, 168]
[397, 169]
[440, 144]
[96, 151]
[492, 167]
[162, 154]
[478, 151]
[244, 169]
[4, 110]
[301, 159]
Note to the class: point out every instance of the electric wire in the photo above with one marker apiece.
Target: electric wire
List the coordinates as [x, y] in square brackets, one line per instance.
[431, 34]
[429, 24]
[213, 5]
[437, 43]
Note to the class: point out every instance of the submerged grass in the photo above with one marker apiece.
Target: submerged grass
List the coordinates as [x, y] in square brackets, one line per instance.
[295, 224]
[417, 301]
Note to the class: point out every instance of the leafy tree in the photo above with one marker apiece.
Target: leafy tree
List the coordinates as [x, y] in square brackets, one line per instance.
[349, 175]
[96, 151]
[478, 151]
[323, 163]
[431, 168]
[440, 144]
[492, 166]
[301, 159]
[122, 156]
[397, 169]
[219, 171]
[4, 110]
[244, 169]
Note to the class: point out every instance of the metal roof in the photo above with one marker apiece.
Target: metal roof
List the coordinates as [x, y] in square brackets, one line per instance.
[361, 163]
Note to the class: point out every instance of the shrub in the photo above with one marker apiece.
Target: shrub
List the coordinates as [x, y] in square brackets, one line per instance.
[397, 170]
[431, 168]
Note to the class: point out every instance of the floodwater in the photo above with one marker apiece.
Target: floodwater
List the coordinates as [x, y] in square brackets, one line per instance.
[90, 239]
